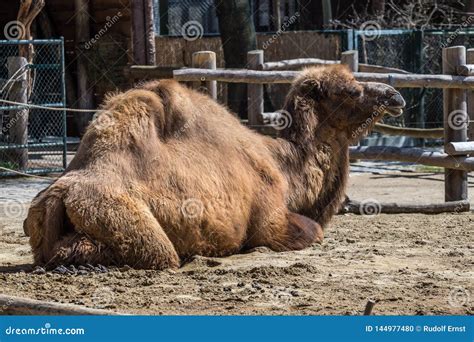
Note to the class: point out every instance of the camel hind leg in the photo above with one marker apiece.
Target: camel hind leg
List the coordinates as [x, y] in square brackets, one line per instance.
[123, 224]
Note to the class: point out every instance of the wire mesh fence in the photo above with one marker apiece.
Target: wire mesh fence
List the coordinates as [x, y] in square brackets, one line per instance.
[32, 140]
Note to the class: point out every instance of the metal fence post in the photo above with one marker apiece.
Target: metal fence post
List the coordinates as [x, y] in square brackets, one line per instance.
[455, 125]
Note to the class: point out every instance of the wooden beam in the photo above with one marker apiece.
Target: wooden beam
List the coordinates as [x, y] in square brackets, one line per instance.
[424, 133]
[396, 80]
[380, 69]
[12, 305]
[412, 155]
[454, 109]
[355, 207]
[289, 64]
[235, 76]
[459, 148]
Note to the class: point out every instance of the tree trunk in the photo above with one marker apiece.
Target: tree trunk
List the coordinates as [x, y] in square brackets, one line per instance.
[84, 90]
[238, 37]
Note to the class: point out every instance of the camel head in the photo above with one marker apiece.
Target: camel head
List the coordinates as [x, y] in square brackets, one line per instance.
[328, 102]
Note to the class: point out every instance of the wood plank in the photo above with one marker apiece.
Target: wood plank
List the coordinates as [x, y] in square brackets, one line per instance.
[396, 80]
[355, 207]
[412, 155]
[13, 305]
[459, 148]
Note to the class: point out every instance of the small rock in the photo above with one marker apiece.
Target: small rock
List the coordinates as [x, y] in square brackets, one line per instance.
[102, 268]
[61, 270]
[349, 240]
[39, 270]
[125, 268]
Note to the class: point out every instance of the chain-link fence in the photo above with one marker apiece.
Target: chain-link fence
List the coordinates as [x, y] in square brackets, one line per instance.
[32, 140]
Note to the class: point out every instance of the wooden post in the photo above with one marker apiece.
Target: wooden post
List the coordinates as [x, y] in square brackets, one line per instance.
[149, 33]
[139, 38]
[206, 60]
[351, 59]
[84, 91]
[455, 129]
[18, 119]
[255, 91]
[470, 98]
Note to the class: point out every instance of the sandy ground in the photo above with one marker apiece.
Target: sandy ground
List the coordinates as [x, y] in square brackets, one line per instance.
[410, 264]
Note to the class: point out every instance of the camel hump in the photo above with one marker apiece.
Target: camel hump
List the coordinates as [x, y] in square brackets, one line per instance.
[155, 109]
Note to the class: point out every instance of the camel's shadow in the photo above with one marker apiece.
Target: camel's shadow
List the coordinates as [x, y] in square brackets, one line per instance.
[16, 268]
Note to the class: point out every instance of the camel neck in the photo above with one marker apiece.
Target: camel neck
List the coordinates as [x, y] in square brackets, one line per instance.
[317, 172]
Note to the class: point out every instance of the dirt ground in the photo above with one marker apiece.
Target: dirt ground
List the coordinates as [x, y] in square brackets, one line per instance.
[410, 264]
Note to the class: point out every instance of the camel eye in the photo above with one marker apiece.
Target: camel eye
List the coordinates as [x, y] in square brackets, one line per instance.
[354, 92]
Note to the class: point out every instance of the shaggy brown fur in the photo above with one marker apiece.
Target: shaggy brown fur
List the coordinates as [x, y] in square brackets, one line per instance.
[164, 173]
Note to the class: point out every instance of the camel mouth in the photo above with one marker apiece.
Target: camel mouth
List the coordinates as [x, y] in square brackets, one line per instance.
[394, 111]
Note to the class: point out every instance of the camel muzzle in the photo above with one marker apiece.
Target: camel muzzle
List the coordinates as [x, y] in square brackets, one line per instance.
[395, 104]
[388, 99]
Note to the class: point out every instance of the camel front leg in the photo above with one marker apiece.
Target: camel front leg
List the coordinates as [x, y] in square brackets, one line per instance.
[124, 225]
